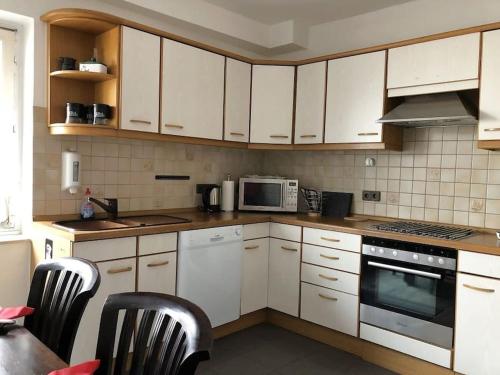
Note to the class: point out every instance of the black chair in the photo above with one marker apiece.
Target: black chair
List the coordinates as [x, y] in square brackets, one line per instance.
[174, 335]
[59, 293]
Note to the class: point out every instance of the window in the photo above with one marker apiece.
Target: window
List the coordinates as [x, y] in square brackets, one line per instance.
[10, 137]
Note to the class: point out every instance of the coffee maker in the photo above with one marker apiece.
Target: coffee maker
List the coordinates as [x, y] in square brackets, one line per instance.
[210, 197]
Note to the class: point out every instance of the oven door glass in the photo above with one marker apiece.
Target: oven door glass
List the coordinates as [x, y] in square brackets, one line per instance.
[422, 292]
[262, 194]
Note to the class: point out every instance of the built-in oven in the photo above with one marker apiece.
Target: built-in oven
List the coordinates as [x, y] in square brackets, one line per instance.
[268, 193]
[409, 289]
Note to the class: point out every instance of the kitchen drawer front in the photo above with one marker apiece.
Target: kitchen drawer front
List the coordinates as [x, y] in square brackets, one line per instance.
[252, 231]
[157, 273]
[285, 232]
[328, 278]
[329, 308]
[328, 238]
[479, 264]
[101, 250]
[157, 243]
[331, 258]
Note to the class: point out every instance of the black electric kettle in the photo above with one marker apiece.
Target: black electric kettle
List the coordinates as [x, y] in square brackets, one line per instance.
[210, 197]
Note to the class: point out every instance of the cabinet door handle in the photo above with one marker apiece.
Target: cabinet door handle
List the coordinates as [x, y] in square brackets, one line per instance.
[328, 257]
[308, 136]
[484, 290]
[237, 133]
[112, 271]
[327, 277]
[288, 248]
[140, 122]
[492, 130]
[174, 126]
[251, 247]
[330, 239]
[366, 134]
[158, 264]
[278, 136]
[327, 297]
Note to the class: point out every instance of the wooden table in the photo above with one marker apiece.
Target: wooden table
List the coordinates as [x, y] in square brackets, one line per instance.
[21, 353]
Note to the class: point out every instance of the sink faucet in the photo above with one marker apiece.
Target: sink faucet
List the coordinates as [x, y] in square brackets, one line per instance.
[111, 207]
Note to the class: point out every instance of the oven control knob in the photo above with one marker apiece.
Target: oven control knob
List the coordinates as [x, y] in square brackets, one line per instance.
[395, 253]
[441, 261]
[380, 251]
[415, 256]
[372, 249]
[430, 259]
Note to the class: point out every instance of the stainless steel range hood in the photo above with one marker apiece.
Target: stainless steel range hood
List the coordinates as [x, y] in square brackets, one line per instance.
[442, 109]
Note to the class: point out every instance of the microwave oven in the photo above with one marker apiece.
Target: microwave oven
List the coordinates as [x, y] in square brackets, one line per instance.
[265, 193]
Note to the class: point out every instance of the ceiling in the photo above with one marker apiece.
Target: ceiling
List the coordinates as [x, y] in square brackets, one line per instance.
[311, 12]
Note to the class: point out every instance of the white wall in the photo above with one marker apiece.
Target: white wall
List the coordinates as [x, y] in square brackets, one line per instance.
[15, 263]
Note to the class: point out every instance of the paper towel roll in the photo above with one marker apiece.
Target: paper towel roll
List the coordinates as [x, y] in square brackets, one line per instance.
[227, 196]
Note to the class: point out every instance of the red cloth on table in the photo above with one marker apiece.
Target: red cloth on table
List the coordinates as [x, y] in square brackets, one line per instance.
[15, 312]
[85, 368]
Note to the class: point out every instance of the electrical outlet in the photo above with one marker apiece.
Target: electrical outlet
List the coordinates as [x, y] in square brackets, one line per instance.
[372, 196]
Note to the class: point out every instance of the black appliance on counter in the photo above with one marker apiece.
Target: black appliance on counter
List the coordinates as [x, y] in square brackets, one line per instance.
[210, 197]
[409, 288]
[334, 204]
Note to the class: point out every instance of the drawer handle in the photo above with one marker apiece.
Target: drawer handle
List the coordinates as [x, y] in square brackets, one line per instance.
[112, 271]
[288, 248]
[174, 126]
[140, 122]
[327, 277]
[308, 136]
[328, 257]
[484, 290]
[158, 264]
[366, 134]
[237, 133]
[251, 247]
[327, 297]
[278, 136]
[330, 239]
[492, 130]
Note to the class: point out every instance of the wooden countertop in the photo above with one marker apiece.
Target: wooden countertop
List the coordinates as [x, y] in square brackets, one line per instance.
[482, 241]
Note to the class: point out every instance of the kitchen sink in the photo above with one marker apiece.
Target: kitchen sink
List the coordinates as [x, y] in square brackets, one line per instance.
[119, 223]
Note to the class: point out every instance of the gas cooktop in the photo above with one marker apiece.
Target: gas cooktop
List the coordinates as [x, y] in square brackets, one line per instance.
[425, 230]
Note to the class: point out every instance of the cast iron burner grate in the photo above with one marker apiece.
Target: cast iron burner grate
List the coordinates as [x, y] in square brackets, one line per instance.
[425, 230]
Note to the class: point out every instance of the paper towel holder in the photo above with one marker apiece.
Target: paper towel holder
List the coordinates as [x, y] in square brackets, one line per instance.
[71, 171]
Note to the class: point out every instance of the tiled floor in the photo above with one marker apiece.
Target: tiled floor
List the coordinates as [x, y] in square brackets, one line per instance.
[266, 349]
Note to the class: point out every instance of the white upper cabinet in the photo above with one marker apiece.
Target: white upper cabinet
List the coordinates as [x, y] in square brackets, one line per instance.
[140, 83]
[310, 103]
[355, 98]
[489, 110]
[237, 106]
[448, 64]
[192, 91]
[272, 104]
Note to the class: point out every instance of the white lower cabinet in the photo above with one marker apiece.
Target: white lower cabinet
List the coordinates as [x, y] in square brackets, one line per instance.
[254, 275]
[329, 308]
[284, 276]
[477, 328]
[157, 273]
[117, 276]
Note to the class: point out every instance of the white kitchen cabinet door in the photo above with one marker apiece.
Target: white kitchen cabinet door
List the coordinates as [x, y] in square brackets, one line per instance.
[255, 275]
[117, 276]
[284, 276]
[310, 103]
[355, 98]
[489, 110]
[272, 104]
[157, 273]
[237, 106]
[15, 272]
[477, 328]
[192, 91]
[140, 83]
[442, 61]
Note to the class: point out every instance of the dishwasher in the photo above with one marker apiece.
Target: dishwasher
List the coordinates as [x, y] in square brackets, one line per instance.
[209, 271]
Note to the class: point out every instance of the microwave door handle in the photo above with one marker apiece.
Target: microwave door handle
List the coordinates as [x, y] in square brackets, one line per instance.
[406, 270]
[283, 192]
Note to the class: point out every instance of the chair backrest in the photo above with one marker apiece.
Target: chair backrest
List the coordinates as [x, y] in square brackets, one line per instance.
[174, 335]
[59, 293]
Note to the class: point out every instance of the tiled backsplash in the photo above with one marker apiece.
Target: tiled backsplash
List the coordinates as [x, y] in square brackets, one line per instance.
[125, 169]
[440, 175]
